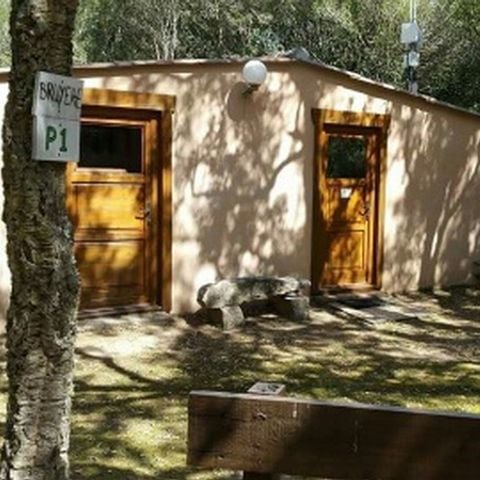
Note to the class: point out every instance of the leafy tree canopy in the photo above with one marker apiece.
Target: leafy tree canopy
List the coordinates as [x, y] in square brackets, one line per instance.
[357, 35]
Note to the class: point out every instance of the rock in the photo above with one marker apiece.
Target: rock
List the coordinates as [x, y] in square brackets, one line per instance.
[268, 388]
[226, 302]
[293, 307]
[256, 308]
[299, 53]
[226, 317]
[240, 290]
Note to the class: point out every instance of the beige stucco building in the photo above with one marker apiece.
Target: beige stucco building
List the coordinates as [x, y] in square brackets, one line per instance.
[320, 173]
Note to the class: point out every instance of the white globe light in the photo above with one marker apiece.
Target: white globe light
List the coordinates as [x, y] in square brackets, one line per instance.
[254, 72]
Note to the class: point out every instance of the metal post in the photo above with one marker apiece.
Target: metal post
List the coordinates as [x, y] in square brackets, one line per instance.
[412, 83]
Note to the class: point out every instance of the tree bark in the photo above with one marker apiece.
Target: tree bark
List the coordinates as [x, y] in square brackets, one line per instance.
[42, 315]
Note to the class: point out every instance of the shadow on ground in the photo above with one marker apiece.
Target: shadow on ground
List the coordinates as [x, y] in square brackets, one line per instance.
[134, 375]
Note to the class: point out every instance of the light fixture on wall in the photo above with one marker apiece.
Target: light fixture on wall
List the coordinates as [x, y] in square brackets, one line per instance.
[254, 73]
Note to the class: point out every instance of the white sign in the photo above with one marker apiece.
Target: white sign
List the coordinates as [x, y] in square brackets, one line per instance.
[57, 96]
[57, 106]
[56, 139]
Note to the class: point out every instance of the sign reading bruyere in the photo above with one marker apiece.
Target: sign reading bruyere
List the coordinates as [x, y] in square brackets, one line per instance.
[57, 105]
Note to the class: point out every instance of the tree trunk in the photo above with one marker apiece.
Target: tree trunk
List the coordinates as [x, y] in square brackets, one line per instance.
[42, 313]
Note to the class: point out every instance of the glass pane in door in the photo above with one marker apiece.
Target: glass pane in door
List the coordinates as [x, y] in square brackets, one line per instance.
[346, 157]
[111, 146]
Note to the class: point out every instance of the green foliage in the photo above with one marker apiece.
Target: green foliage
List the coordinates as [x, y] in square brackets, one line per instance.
[357, 35]
[450, 66]
[144, 29]
[110, 30]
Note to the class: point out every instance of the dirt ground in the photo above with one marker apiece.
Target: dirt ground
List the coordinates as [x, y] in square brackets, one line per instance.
[134, 373]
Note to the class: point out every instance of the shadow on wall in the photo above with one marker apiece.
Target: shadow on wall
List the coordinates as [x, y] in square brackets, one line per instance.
[247, 188]
[250, 180]
[242, 170]
[433, 187]
[239, 186]
[241, 199]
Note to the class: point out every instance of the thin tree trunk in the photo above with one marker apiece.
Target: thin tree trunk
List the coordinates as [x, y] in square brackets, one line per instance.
[42, 312]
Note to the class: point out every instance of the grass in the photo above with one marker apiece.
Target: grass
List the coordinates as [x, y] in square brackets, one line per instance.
[133, 377]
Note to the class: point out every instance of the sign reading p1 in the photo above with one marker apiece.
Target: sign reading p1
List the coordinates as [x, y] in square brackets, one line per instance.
[56, 139]
[56, 117]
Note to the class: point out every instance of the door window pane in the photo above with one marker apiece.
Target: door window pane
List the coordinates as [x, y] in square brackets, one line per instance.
[346, 157]
[110, 146]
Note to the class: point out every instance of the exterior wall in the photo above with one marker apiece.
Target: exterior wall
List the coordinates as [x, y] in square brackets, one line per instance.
[4, 271]
[242, 174]
[241, 194]
[432, 217]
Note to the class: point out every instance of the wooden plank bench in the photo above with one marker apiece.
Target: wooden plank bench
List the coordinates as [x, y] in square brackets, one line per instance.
[264, 434]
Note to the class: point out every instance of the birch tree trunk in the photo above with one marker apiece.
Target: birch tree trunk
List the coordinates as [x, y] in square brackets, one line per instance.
[45, 286]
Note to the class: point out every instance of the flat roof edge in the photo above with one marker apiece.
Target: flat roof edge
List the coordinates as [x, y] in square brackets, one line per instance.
[86, 69]
[387, 86]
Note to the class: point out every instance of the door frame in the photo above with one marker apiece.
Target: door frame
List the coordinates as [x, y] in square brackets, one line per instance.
[161, 108]
[378, 123]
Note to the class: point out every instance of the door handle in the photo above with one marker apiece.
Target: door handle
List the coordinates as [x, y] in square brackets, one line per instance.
[366, 211]
[146, 214]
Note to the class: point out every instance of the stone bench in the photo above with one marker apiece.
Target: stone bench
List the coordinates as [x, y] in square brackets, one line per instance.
[223, 301]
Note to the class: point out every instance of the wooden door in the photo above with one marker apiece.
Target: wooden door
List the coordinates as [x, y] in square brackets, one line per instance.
[112, 201]
[348, 182]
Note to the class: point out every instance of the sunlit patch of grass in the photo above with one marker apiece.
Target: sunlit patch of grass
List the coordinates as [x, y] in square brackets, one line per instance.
[130, 409]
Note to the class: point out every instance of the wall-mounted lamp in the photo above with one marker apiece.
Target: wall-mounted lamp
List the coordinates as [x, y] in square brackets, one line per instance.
[254, 73]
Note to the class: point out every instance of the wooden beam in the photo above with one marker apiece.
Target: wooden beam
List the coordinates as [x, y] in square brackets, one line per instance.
[166, 188]
[328, 440]
[103, 97]
[265, 388]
